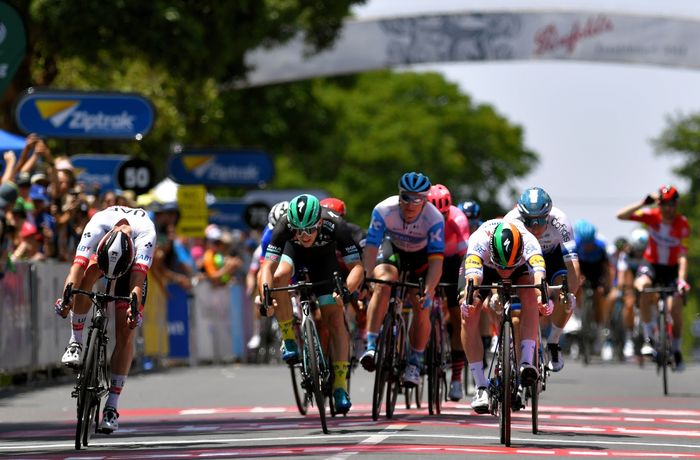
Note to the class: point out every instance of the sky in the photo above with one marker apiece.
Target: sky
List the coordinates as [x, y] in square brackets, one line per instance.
[591, 124]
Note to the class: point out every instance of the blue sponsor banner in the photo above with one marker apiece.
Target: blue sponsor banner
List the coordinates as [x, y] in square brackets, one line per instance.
[84, 115]
[98, 169]
[178, 322]
[229, 214]
[225, 168]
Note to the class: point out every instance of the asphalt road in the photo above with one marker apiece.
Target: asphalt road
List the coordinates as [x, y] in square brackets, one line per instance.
[235, 411]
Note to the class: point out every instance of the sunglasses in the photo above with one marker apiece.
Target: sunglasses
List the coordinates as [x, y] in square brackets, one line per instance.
[535, 222]
[306, 231]
[412, 199]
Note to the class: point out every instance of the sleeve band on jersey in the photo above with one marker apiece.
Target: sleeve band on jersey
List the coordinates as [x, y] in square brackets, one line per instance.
[140, 268]
[81, 260]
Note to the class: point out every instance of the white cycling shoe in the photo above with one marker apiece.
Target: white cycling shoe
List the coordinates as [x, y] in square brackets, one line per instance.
[72, 356]
[109, 420]
[480, 401]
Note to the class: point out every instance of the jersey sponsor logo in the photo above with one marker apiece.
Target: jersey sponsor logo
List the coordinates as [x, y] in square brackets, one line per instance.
[87, 235]
[473, 261]
[436, 236]
[563, 231]
[144, 257]
[536, 261]
[137, 212]
[376, 224]
[350, 249]
[83, 248]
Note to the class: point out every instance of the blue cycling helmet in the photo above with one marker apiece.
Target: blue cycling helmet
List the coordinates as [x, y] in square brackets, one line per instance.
[584, 231]
[471, 209]
[534, 202]
[414, 182]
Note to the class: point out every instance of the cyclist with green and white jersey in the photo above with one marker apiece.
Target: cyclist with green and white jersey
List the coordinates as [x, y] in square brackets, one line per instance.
[308, 236]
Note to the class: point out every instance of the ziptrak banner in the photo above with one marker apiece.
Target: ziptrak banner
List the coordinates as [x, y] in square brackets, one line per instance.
[225, 168]
[84, 115]
[583, 36]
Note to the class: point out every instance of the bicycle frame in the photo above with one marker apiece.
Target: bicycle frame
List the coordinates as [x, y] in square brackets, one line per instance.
[92, 383]
[438, 353]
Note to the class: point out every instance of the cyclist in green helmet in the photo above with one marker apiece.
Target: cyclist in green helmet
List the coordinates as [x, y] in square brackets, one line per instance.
[308, 236]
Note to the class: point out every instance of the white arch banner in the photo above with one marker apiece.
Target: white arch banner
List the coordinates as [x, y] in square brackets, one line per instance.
[583, 36]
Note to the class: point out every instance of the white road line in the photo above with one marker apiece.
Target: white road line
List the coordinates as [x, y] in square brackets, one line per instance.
[372, 440]
[174, 442]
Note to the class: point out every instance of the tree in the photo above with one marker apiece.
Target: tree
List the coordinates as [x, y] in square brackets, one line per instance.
[387, 123]
[191, 42]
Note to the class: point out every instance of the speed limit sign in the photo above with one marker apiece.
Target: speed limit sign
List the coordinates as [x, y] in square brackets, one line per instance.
[137, 175]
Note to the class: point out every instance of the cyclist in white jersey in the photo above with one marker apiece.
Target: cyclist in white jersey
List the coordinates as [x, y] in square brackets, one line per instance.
[555, 234]
[117, 243]
[415, 243]
[502, 249]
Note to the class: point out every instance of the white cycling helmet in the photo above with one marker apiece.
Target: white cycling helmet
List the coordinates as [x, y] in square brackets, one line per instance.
[639, 239]
[277, 211]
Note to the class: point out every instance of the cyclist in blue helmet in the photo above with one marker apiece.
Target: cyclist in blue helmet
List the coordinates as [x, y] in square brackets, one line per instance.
[596, 270]
[553, 231]
[415, 245]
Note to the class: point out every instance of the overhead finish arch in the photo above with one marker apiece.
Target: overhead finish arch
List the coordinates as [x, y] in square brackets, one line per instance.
[484, 36]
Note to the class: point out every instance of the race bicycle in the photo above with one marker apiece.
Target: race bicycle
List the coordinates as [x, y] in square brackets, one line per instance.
[390, 355]
[503, 372]
[664, 332]
[92, 383]
[313, 374]
[438, 353]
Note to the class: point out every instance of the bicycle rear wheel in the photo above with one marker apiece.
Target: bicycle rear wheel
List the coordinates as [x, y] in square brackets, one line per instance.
[505, 400]
[398, 350]
[86, 392]
[536, 388]
[314, 358]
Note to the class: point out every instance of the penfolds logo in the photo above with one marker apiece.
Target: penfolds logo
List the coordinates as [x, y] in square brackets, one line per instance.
[550, 38]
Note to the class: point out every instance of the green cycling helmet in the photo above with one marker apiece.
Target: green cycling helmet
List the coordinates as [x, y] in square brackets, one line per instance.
[304, 211]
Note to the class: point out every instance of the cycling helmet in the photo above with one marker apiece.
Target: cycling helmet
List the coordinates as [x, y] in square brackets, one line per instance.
[276, 212]
[640, 238]
[471, 209]
[304, 211]
[584, 231]
[115, 254]
[534, 202]
[414, 182]
[335, 205]
[668, 193]
[440, 196]
[506, 246]
[620, 243]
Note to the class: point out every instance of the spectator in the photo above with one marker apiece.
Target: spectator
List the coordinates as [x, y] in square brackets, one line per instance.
[43, 220]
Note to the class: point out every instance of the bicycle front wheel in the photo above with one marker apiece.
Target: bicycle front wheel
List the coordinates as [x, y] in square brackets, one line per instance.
[383, 363]
[505, 398]
[314, 357]
[434, 368]
[398, 350]
[86, 393]
[663, 353]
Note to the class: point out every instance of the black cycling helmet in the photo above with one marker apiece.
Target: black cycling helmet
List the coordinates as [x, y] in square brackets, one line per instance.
[414, 182]
[115, 254]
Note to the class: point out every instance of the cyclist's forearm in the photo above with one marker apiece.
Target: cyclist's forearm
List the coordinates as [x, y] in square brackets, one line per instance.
[573, 269]
[75, 275]
[434, 273]
[266, 276]
[136, 281]
[369, 259]
[355, 277]
[683, 268]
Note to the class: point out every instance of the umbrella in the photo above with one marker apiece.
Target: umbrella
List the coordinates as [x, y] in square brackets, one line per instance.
[9, 141]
